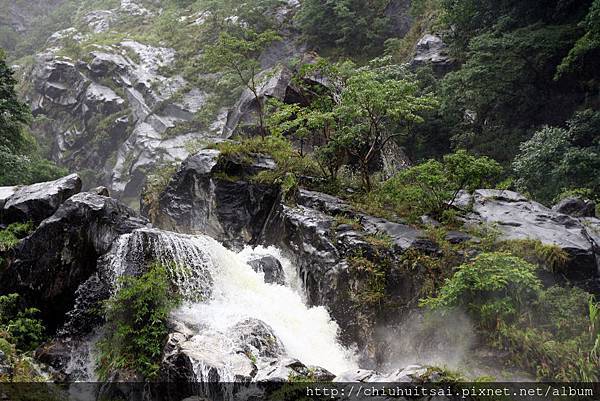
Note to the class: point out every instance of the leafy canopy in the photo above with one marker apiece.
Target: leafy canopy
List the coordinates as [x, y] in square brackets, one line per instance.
[556, 159]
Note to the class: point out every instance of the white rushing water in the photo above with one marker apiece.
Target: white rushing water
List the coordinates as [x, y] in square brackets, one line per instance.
[239, 293]
[221, 290]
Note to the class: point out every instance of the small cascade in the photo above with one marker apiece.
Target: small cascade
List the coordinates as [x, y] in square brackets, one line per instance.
[239, 293]
[185, 257]
[234, 322]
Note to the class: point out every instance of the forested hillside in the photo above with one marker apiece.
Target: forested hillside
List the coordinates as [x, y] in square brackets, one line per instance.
[417, 162]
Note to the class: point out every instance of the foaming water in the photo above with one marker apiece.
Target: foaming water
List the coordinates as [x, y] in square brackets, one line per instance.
[240, 293]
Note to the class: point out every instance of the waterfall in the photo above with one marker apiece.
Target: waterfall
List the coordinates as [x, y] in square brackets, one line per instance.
[223, 296]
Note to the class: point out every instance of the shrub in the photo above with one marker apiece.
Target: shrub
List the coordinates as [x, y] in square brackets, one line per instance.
[156, 184]
[21, 327]
[493, 287]
[10, 236]
[136, 326]
[552, 332]
[432, 187]
[550, 257]
[290, 165]
[557, 160]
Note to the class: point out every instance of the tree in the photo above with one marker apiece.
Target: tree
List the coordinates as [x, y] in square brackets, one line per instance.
[557, 159]
[583, 57]
[371, 104]
[356, 26]
[493, 287]
[13, 113]
[19, 159]
[235, 56]
[502, 90]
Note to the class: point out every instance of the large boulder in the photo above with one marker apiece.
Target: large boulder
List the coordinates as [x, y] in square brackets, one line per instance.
[322, 250]
[38, 201]
[517, 218]
[269, 266]
[432, 51]
[271, 84]
[49, 266]
[213, 196]
[576, 207]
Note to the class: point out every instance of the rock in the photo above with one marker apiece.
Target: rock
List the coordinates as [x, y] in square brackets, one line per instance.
[270, 266]
[102, 191]
[61, 254]
[284, 369]
[5, 193]
[257, 338]
[431, 50]
[457, 237]
[39, 201]
[5, 365]
[214, 199]
[219, 198]
[517, 218]
[272, 84]
[576, 207]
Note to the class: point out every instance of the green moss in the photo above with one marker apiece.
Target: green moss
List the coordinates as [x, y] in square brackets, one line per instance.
[549, 257]
[156, 184]
[11, 235]
[354, 222]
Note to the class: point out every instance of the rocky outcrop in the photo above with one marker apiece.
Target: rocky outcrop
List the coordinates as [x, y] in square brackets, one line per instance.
[272, 84]
[38, 201]
[269, 266]
[114, 113]
[576, 207]
[49, 265]
[431, 50]
[517, 217]
[213, 196]
[219, 197]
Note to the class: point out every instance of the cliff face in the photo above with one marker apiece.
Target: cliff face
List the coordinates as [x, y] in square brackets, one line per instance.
[116, 105]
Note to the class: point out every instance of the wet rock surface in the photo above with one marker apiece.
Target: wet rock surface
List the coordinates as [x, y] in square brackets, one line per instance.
[270, 267]
[38, 201]
[215, 198]
[49, 265]
[431, 50]
[576, 207]
[516, 218]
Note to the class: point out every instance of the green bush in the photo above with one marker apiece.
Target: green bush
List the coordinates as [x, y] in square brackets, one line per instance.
[493, 287]
[432, 187]
[290, 165]
[552, 332]
[20, 325]
[556, 160]
[156, 184]
[136, 325]
[549, 257]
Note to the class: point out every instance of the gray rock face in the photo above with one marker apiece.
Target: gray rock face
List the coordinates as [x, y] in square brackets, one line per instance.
[519, 218]
[321, 250]
[272, 84]
[576, 207]
[110, 114]
[49, 266]
[431, 50]
[270, 266]
[223, 206]
[38, 201]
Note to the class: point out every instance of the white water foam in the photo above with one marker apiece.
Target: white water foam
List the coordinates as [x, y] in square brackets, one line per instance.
[239, 293]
